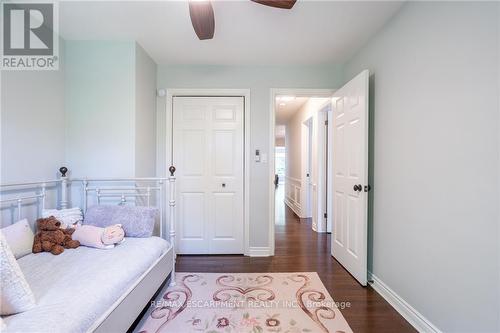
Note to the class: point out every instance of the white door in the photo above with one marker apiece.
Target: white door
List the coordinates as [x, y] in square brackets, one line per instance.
[208, 154]
[350, 176]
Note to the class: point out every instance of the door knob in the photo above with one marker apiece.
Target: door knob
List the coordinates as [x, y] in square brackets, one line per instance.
[357, 187]
[223, 184]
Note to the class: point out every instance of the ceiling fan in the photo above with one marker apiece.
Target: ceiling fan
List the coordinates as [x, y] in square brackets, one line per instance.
[203, 19]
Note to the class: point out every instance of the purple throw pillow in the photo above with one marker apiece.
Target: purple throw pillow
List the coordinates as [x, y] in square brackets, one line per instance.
[136, 221]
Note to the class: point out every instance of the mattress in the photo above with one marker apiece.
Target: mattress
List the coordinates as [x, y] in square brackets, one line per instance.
[75, 288]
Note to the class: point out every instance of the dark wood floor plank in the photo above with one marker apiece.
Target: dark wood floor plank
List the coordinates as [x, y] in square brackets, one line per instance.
[299, 249]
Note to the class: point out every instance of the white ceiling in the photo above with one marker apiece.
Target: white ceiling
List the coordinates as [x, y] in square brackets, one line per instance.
[284, 113]
[246, 33]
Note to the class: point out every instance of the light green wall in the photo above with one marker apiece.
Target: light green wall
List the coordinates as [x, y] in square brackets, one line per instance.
[32, 135]
[100, 103]
[145, 114]
[32, 123]
[435, 160]
[110, 106]
[259, 79]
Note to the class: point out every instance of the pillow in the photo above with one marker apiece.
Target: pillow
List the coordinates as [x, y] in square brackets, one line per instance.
[89, 235]
[67, 217]
[19, 236]
[16, 295]
[136, 221]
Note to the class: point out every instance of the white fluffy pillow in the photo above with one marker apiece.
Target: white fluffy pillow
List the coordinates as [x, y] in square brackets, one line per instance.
[15, 293]
[67, 217]
[19, 236]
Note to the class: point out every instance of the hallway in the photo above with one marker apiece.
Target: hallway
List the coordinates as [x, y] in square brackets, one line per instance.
[299, 249]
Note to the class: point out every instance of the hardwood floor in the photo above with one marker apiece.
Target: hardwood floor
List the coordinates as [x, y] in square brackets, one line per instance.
[299, 249]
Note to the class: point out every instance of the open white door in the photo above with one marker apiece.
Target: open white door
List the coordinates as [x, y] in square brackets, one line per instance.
[350, 176]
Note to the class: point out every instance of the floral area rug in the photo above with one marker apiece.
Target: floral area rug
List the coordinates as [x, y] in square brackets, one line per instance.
[244, 302]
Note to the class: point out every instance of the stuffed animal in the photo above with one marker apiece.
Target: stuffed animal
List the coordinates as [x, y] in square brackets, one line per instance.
[51, 238]
[113, 234]
[100, 238]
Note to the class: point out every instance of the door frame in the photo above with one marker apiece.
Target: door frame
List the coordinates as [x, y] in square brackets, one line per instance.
[306, 196]
[274, 92]
[324, 159]
[245, 93]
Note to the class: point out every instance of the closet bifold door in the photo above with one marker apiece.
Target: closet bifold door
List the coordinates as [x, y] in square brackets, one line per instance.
[208, 151]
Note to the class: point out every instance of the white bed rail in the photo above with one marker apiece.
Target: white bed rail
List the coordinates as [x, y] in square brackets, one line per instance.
[125, 190]
[38, 190]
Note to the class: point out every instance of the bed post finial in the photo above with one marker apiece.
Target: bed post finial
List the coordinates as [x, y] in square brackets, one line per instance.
[172, 170]
[64, 187]
[63, 171]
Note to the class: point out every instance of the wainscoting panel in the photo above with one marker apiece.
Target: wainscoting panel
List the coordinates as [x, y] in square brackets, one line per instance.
[292, 194]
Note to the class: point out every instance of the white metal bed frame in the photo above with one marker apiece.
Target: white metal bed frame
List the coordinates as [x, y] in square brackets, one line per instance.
[126, 309]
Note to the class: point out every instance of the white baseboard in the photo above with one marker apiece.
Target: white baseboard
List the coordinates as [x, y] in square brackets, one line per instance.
[415, 318]
[257, 251]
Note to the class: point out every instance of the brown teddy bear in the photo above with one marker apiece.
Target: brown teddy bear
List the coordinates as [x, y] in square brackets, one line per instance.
[51, 238]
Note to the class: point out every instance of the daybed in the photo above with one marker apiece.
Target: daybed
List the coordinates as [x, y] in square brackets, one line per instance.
[94, 290]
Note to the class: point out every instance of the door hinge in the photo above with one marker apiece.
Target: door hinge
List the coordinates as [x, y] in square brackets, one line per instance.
[367, 188]
[326, 122]
[325, 215]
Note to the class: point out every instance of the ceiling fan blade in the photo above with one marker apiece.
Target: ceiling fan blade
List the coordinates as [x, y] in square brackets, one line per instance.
[202, 18]
[284, 4]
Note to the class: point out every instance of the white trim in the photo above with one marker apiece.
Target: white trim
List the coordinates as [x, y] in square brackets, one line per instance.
[322, 158]
[272, 123]
[306, 163]
[329, 172]
[415, 318]
[245, 93]
[259, 251]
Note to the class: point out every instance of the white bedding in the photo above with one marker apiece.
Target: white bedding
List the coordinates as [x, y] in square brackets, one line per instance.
[75, 288]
